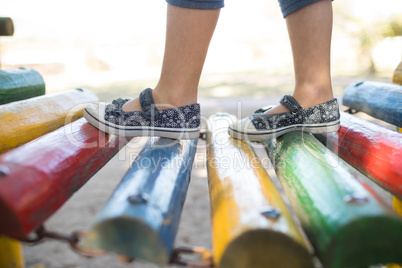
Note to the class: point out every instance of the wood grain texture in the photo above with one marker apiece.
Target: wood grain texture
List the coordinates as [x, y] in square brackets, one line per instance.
[346, 223]
[397, 77]
[6, 26]
[141, 218]
[38, 177]
[26, 120]
[240, 193]
[20, 84]
[380, 100]
[374, 150]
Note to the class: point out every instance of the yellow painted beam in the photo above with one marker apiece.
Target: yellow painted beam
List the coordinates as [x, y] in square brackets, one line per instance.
[29, 119]
[250, 223]
[10, 253]
[397, 78]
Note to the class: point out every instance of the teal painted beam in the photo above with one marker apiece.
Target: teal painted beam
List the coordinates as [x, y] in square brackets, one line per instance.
[141, 218]
[20, 84]
[347, 225]
[380, 100]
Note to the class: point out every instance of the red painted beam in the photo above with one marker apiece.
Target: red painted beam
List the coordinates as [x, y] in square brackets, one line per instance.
[39, 177]
[374, 150]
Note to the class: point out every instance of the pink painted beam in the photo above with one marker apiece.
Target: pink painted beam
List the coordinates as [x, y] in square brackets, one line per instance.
[37, 178]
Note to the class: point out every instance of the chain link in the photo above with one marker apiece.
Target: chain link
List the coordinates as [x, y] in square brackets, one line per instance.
[205, 254]
[72, 239]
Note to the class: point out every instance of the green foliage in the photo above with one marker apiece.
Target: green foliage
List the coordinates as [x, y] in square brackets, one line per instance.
[393, 27]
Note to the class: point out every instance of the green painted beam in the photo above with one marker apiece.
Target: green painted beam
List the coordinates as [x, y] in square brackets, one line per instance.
[347, 225]
[20, 84]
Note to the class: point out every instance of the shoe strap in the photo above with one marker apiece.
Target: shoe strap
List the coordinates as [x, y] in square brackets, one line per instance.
[148, 106]
[290, 103]
[263, 109]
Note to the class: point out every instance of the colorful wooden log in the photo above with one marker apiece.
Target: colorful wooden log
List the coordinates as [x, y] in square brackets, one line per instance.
[10, 253]
[20, 84]
[26, 120]
[397, 77]
[141, 218]
[6, 26]
[38, 177]
[346, 223]
[251, 225]
[380, 100]
[372, 149]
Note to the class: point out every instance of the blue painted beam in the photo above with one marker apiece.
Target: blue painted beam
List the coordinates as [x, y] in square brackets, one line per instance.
[380, 100]
[141, 218]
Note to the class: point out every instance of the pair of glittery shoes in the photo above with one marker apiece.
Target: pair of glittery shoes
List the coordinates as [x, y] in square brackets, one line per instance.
[184, 122]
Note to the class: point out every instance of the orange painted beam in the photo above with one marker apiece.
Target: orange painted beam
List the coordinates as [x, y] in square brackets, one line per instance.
[29, 119]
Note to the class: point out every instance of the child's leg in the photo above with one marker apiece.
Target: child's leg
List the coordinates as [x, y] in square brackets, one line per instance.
[310, 30]
[188, 34]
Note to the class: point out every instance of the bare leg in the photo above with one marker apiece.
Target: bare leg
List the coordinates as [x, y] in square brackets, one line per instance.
[188, 34]
[310, 30]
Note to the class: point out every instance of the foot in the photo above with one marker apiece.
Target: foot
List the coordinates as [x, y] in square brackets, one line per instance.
[322, 118]
[176, 123]
[161, 100]
[304, 102]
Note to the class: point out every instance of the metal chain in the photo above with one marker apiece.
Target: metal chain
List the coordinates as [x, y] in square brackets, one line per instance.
[205, 254]
[74, 238]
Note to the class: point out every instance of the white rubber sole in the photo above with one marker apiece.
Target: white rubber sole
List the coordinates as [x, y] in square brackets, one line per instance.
[261, 135]
[141, 131]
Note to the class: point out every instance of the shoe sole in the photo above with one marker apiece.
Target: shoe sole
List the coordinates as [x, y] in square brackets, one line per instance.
[267, 135]
[127, 131]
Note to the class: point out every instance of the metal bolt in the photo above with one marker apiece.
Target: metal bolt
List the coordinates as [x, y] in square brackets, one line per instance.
[136, 199]
[359, 83]
[4, 171]
[270, 212]
[355, 199]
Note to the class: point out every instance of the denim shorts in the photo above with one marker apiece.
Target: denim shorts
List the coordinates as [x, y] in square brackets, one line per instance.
[287, 6]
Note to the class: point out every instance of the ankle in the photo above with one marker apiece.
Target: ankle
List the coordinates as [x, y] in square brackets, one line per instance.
[312, 96]
[172, 98]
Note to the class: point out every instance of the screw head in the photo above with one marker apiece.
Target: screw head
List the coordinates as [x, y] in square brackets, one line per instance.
[270, 212]
[136, 199]
[4, 171]
[355, 199]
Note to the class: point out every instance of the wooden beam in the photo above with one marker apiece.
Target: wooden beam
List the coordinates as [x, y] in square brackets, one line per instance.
[10, 253]
[397, 78]
[141, 218]
[40, 176]
[374, 150]
[346, 223]
[251, 225]
[20, 84]
[29, 119]
[380, 100]
[6, 26]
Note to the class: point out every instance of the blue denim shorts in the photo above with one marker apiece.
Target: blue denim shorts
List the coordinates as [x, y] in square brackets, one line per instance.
[287, 6]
